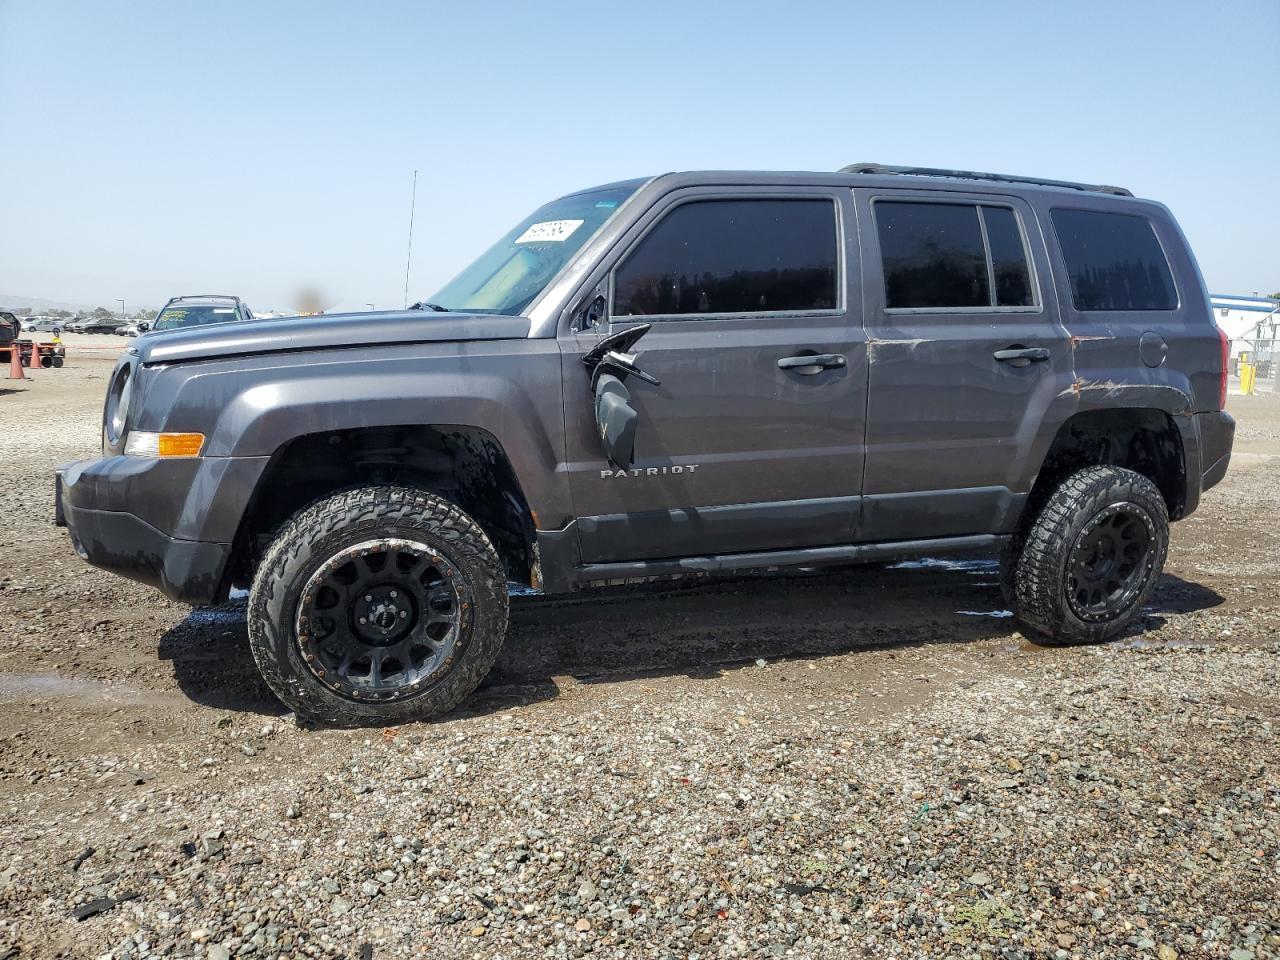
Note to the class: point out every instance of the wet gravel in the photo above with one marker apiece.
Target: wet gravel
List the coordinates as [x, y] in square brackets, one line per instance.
[676, 771]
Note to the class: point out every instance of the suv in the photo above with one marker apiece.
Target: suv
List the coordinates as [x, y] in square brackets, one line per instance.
[697, 372]
[10, 328]
[201, 310]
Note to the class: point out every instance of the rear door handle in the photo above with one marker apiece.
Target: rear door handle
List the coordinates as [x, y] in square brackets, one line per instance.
[1022, 355]
[812, 363]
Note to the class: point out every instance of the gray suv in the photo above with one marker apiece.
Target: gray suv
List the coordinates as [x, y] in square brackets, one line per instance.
[695, 372]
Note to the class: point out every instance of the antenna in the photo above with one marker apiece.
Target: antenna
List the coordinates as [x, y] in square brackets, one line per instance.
[413, 199]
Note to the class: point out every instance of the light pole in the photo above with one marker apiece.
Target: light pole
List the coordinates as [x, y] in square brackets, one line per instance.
[120, 300]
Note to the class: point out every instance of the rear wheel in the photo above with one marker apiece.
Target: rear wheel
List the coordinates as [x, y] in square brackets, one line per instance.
[377, 605]
[1092, 558]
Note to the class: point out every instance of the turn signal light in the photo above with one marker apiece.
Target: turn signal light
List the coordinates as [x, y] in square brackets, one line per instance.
[143, 444]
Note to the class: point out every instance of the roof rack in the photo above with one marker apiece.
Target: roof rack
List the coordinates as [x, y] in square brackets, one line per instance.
[207, 296]
[974, 175]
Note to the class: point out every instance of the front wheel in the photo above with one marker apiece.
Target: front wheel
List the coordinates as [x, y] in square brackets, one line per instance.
[378, 605]
[1093, 556]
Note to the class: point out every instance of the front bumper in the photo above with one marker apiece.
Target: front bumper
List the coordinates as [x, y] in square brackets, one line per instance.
[116, 510]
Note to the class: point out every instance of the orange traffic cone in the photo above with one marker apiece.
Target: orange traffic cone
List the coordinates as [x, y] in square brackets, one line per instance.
[15, 362]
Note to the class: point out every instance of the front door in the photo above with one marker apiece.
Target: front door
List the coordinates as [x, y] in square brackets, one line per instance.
[742, 447]
[967, 354]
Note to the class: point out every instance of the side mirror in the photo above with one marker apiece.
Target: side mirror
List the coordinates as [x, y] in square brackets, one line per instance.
[616, 419]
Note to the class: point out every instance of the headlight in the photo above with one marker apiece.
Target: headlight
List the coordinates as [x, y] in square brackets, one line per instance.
[118, 396]
[144, 444]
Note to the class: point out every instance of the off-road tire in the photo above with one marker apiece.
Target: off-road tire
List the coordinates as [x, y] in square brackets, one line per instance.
[1041, 571]
[324, 529]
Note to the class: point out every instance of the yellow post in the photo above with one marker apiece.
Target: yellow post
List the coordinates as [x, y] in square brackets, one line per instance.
[1248, 377]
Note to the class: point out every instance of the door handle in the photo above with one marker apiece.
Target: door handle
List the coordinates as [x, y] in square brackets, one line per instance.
[809, 364]
[1022, 355]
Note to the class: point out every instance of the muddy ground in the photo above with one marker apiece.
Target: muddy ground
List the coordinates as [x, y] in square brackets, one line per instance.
[854, 762]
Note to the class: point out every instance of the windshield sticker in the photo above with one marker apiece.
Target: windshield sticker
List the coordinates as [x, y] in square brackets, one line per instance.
[553, 231]
[606, 204]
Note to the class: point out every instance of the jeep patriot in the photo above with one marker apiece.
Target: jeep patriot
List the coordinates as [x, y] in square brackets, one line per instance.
[690, 373]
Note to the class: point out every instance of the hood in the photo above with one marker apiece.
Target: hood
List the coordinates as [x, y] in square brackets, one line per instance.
[318, 333]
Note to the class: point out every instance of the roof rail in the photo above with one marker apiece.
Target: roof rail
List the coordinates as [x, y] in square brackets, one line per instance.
[207, 296]
[974, 175]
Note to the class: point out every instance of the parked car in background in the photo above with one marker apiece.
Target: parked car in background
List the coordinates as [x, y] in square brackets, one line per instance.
[133, 328]
[201, 310]
[45, 325]
[102, 325]
[77, 325]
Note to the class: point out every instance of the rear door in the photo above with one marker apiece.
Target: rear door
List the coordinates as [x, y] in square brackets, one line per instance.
[733, 451]
[966, 355]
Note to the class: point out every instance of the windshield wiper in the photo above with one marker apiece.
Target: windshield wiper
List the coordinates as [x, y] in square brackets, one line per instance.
[424, 305]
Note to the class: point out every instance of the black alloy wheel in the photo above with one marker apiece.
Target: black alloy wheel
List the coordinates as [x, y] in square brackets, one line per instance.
[380, 619]
[1110, 562]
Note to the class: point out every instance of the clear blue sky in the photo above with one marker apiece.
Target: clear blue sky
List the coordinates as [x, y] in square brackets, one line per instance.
[155, 148]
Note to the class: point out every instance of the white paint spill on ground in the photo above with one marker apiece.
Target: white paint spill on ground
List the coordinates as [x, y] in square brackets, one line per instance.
[941, 563]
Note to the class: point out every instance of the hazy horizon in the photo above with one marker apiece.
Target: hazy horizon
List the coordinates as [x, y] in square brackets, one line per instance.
[266, 149]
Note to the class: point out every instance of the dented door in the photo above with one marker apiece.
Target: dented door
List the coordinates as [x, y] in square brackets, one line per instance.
[957, 388]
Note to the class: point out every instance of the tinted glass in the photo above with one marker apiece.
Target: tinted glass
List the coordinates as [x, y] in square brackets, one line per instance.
[509, 275]
[1008, 258]
[933, 255]
[1114, 261]
[733, 256]
[195, 316]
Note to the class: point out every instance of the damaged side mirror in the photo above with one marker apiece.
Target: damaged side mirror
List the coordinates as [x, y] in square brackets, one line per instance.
[616, 419]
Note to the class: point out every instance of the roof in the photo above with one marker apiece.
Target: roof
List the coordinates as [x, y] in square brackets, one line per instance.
[881, 169]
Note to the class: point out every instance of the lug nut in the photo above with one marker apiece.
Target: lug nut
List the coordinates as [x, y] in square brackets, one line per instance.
[364, 620]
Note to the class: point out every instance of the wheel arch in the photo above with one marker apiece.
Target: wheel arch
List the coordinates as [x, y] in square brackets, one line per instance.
[464, 464]
[1145, 439]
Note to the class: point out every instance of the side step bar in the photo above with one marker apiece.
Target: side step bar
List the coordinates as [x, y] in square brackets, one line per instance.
[808, 557]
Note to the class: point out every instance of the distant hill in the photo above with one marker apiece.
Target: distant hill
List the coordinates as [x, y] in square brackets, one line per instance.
[9, 301]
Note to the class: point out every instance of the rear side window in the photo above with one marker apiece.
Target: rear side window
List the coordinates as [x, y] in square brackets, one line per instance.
[1008, 258]
[1114, 261]
[940, 255]
[733, 256]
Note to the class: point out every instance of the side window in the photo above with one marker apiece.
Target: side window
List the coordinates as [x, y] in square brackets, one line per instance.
[1008, 258]
[733, 256]
[1114, 261]
[939, 255]
[933, 255]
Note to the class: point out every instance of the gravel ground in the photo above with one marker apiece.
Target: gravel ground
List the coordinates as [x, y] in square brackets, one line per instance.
[683, 771]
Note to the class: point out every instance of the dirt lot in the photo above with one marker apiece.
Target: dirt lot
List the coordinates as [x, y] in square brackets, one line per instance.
[851, 763]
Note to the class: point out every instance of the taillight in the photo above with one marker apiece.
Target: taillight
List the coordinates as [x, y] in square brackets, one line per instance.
[1226, 355]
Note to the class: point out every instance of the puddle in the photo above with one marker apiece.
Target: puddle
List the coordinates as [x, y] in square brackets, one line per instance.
[994, 614]
[18, 686]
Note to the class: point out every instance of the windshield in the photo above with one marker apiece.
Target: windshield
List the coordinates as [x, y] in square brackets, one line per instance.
[195, 316]
[511, 273]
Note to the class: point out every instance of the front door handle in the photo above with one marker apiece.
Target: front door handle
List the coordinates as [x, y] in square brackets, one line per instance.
[1021, 356]
[809, 364]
